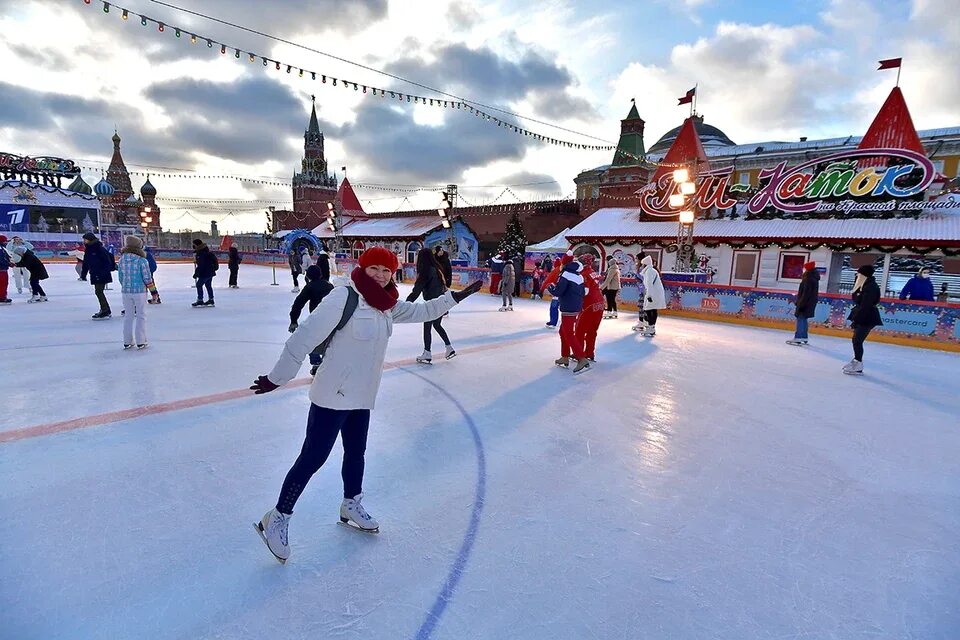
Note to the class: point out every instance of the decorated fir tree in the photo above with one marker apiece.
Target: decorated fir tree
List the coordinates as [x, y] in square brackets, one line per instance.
[42, 225]
[87, 224]
[514, 241]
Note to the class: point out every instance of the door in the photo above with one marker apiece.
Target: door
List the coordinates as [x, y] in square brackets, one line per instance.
[745, 267]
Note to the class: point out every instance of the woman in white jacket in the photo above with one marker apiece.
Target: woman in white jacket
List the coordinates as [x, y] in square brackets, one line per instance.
[345, 387]
[654, 298]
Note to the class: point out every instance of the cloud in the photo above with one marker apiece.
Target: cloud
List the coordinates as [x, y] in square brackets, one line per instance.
[462, 15]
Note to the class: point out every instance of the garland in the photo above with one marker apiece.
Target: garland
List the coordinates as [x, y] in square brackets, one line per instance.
[809, 246]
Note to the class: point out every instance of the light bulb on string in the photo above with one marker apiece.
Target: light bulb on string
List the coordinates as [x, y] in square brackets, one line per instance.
[106, 7]
[301, 73]
[209, 43]
[289, 67]
[278, 65]
[313, 75]
[264, 61]
[252, 58]
[237, 54]
[177, 32]
[160, 27]
[193, 38]
[143, 21]
[223, 49]
[125, 15]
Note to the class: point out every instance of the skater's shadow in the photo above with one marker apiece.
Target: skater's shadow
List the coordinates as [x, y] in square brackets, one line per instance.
[502, 337]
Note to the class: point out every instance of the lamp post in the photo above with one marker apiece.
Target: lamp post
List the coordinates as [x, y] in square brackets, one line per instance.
[445, 210]
[687, 187]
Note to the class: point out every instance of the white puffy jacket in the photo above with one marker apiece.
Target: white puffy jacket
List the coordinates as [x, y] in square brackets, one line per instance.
[653, 288]
[349, 377]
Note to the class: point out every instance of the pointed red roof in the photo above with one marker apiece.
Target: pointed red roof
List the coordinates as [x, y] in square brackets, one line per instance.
[893, 126]
[685, 149]
[349, 203]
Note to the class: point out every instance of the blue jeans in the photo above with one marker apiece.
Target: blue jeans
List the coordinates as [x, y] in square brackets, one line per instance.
[205, 282]
[801, 332]
[554, 312]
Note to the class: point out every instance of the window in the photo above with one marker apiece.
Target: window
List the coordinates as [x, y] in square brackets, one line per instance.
[938, 165]
[744, 177]
[745, 268]
[596, 192]
[357, 249]
[412, 250]
[791, 265]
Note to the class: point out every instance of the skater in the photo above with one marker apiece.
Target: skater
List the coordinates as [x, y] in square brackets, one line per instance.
[537, 283]
[807, 296]
[611, 286]
[496, 264]
[550, 280]
[323, 261]
[37, 271]
[431, 284]
[135, 279]
[4, 267]
[569, 290]
[296, 268]
[154, 293]
[345, 388]
[588, 321]
[78, 261]
[99, 263]
[507, 283]
[233, 264]
[21, 276]
[207, 266]
[944, 295]
[443, 259]
[919, 287]
[864, 316]
[654, 298]
[314, 291]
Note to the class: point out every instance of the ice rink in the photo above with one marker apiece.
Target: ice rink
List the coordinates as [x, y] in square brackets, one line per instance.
[712, 482]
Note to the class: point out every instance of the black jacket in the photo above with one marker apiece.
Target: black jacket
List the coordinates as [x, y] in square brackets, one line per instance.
[31, 263]
[808, 294]
[313, 292]
[865, 312]
[445, 267]
[98, 262]
[430, 284]
[233, 262]
[206, 263]
[323, 261]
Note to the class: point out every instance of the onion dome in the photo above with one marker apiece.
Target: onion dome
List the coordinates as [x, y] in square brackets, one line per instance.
[104, 188]
[148, 189]
[80, 186]
[710, 137]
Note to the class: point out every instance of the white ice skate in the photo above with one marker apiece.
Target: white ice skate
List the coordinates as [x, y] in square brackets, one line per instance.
[853, 368]
[583, 364]
[353, 515]
[295, 290]
[425, 358]
[640, 327]
[562, 362]
[510, 307]
[34, 299]
[797, 343]
[273, 531]
[451, 352]
[502, 309]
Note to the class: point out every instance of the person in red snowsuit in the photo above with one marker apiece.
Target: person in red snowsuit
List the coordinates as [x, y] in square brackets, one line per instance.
[588, 322]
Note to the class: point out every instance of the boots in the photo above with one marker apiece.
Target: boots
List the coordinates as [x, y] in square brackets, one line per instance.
[273, 531]
[351, 511]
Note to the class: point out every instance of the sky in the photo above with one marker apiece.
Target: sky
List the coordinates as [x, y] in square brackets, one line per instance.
[764, 71]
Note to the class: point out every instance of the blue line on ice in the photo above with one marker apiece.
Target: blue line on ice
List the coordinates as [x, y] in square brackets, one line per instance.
[429, 624]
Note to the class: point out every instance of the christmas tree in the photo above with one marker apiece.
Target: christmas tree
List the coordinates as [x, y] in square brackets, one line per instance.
[514, 241]
[43, 225]
[87, 224]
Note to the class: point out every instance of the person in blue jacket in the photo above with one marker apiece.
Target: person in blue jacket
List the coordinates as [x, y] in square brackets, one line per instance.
[919, 287]
[99, 263]
[569, 290]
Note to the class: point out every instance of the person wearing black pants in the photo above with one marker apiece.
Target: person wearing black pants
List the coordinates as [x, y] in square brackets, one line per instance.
[651, 317]
[206, 269]
[431, 283]
[233, 264]
[863, 317]
[323, 426]
[98, 262]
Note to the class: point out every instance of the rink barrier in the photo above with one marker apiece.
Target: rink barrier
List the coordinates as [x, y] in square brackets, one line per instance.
[930, 325]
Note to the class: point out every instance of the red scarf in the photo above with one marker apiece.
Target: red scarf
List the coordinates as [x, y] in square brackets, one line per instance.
[382, 298]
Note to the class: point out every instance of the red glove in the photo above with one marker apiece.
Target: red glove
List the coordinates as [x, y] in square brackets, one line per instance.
[263, 385]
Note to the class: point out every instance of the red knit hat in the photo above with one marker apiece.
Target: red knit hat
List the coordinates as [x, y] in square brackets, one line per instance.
[809, 266]
[3, 238]
[380, 257]
[567, 258]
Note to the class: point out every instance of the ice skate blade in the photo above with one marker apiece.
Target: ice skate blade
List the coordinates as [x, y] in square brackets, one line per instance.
[853, 373]
[258, 528]
[351, 525]
[451, 356]
[419, 361]
[577, 373]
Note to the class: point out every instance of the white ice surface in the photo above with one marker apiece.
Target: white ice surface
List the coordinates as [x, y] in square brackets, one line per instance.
[710, 483]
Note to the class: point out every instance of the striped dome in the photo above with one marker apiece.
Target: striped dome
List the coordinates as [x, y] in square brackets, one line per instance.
[103, 188]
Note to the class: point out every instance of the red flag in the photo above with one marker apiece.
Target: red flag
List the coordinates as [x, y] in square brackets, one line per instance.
[687, 99]
[891, 63]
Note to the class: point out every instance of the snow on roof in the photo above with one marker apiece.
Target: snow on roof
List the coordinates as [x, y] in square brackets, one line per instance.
[625, 223]
[385, 227]
[557, 243]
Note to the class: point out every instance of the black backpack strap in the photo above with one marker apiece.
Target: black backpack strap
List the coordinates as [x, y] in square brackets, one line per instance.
[353, 299]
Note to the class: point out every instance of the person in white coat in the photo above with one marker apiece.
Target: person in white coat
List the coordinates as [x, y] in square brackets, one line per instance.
[21, 276]
[654, 298]
[345, 386]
